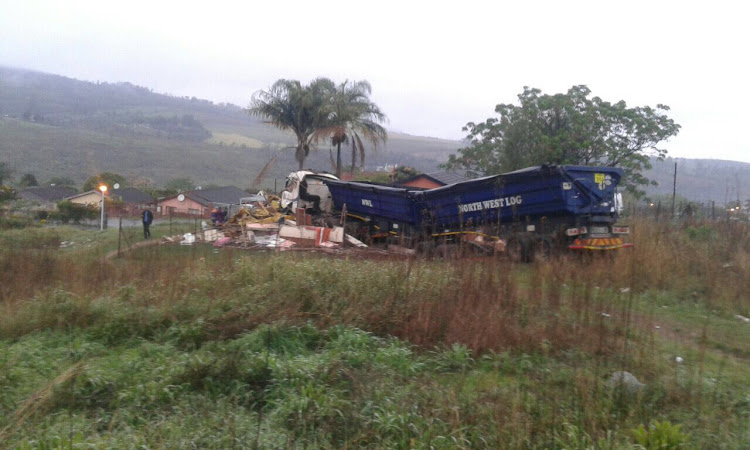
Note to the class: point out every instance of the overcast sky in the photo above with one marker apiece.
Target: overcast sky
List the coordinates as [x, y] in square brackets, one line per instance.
[432, 68]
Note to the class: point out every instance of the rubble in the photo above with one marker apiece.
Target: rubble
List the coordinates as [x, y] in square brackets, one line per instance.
[221, 242]
[260, 224]
[188, 239]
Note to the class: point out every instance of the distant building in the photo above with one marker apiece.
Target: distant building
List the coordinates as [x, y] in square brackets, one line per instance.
[133, 201]
[46, 198]
[200, 202]
[432, 180]
[386, 168]
[90, 198]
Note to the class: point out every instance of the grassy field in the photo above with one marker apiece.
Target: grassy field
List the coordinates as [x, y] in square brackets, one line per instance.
[174, 346]
[235, 139]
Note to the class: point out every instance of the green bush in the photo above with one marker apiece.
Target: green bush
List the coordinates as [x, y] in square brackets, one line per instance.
[15, 222]
[7, 193]
[702, 233]
[660, 435]
[68, 211]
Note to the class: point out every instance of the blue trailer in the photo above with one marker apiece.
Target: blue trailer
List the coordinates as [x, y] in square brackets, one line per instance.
[531, 211]
[374, 200]
[378, 211]
[569, 192]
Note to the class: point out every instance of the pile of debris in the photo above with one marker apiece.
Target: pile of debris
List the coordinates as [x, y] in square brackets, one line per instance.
[262, 224]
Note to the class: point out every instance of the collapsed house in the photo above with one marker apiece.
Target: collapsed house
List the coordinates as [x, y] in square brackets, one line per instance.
[261, 222]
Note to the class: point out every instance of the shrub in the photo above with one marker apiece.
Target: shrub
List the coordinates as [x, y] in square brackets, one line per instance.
[67, 211]
[660, 435]
[7, 193]
[702, 233]
[15, 222]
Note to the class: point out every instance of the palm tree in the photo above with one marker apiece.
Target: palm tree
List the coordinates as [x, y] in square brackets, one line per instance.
[352, 117]
[288, 105]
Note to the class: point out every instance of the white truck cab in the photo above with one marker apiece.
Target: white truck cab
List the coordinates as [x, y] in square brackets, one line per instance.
[306, 189]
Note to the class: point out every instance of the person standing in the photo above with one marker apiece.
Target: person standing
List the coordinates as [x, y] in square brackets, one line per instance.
[147, 217]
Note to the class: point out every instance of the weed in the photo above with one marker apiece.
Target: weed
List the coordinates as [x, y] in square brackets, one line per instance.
[181, 347]
[660, 435]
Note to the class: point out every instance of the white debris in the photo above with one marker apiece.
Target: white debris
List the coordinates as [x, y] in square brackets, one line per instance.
[625, 290]
[278, 242]
[355, 242]
[605, 315]
[657, 327]
[679, 359]
[212, 235]
[743, 318]
[269, 240]
[187, 239]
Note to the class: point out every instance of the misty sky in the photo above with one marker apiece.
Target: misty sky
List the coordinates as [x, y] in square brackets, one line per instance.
[433, 68]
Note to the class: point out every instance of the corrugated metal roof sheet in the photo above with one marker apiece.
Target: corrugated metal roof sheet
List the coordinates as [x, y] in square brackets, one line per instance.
[447, 177]
[133, 195]
[229, 195]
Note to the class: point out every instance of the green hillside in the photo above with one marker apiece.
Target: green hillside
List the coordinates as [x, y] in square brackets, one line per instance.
[56, 126]
[703, 180]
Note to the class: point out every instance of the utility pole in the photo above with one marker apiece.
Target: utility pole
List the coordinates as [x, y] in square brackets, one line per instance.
[674, 187]
[737, 180]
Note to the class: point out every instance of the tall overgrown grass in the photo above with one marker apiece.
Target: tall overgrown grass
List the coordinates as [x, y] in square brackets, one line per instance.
[472, 353]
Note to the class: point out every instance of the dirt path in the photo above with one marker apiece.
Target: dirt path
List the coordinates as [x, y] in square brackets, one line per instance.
[139, 244]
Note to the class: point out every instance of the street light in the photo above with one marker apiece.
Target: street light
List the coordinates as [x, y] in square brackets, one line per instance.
[102, 188]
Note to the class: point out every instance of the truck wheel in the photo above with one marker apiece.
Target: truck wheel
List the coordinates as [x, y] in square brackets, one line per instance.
[446, 251]
[540, 251]
[425, 249]
[515, 249]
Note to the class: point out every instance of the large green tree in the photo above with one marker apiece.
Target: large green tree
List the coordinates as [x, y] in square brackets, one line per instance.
[61, 181]
[5, 172]
[182, 184]
[569, 128]
[28, 180]
[290, 105]
[107, 178]
[351, 119]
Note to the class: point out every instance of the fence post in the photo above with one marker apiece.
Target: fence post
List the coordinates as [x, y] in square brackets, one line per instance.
[119, 235]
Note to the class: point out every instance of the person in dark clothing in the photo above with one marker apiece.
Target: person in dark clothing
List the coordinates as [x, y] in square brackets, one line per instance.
[147, 217]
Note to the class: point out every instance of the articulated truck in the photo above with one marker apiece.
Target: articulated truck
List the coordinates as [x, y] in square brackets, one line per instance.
[527, 214]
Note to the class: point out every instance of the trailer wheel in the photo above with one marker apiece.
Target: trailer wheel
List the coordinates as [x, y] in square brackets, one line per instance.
[515, 249]
[540, 250]
[446, 251]
[425, 249]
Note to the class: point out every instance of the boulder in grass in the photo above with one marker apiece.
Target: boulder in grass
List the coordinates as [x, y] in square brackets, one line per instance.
[626, 381]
